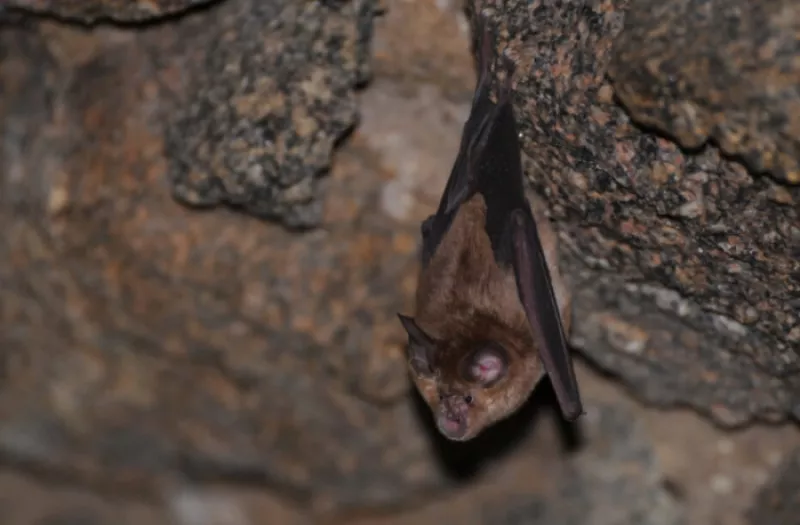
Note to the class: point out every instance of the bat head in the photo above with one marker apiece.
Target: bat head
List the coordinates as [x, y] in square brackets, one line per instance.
[468, 385]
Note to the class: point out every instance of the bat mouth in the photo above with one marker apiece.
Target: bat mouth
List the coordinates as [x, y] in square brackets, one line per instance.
[452, 427]
[452, 419]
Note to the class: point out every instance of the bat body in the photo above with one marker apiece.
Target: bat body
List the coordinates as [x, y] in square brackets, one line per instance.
[487, 325]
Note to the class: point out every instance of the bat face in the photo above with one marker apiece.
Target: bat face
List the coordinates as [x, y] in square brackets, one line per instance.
[470, 383]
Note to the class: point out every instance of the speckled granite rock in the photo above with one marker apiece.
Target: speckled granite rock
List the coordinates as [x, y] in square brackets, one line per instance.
[684, 265]
[716, 68]
[779, 501]
[141, 338]
[145, 341]
[89, 11]
[262, 92]
[269, 91]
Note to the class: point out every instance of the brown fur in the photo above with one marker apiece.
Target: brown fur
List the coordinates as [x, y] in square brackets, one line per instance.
[472, 351]
[463, 298]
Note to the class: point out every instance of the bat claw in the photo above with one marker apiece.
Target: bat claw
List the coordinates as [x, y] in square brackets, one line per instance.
[509, 66]
[485, 54]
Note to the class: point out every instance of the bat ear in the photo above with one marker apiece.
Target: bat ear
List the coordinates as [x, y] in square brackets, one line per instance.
[420, 346]
[487, 366]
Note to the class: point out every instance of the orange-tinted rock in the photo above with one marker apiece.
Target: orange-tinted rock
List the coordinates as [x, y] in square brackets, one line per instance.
[142, 338]
[688, 248]
[726, 70]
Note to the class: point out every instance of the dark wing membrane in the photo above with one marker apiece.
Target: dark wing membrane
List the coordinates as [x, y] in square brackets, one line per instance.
[482, 116]
[541, 308]
[461, 184]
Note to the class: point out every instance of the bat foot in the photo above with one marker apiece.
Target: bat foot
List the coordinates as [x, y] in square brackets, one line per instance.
[485, 53]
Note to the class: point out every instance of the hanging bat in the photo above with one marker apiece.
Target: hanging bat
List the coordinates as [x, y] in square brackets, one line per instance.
[487, 324]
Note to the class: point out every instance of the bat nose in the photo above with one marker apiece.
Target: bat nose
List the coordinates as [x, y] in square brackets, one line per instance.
[452, 428]
[451, 425]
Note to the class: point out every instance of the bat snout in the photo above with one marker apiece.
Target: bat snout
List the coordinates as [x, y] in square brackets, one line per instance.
[454, 428]
[453, 417]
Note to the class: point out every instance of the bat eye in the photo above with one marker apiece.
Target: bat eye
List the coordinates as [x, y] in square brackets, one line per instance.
[486, 366]
[468, 400]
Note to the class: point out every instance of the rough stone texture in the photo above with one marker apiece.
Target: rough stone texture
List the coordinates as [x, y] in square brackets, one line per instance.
[588, 489]
[685, 265]
[207, 346]
[269, 90]
[260, 93]
[716, 68]
[147, 345]
[212, 343]
[27, 501]
[779, 501]
[614, 480]
[90, 11]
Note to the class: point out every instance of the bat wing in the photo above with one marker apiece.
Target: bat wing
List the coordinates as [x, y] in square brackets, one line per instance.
[541, 308]
[489, 163]
[515, 242]
[495, 168]
[462, 183]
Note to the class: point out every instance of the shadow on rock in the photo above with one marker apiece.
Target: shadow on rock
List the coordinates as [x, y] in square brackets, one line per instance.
[464, 460]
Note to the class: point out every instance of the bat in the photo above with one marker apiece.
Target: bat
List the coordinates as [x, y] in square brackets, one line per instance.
[487, 325]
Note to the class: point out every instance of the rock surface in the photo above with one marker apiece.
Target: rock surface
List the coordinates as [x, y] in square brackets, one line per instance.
[684, 264]
[542, 485]
[152, 347]
[206, 342]
[779, 501]
[617, 465]
[716, 68]
[267, 91]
